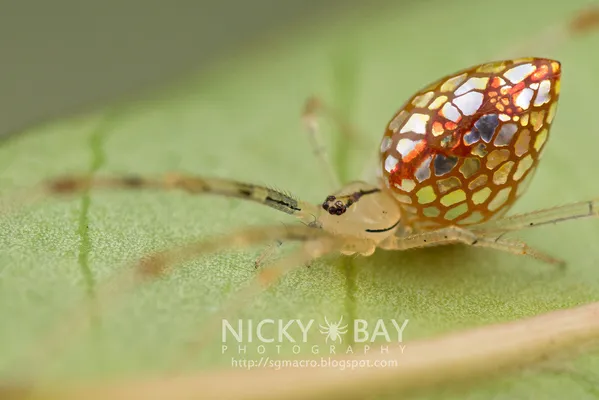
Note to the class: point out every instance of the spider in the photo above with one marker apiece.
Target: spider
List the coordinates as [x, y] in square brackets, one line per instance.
[453, 160]
[333, 330]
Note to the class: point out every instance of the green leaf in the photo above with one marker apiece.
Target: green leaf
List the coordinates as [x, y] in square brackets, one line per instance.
[241, 121]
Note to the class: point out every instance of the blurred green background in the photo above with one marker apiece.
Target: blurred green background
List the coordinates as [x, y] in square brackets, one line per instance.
[66, 56]
[233, 111]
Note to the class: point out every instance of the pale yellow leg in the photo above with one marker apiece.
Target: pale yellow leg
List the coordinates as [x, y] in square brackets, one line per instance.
[161, 262]
[312, 108]
[316, 244]
[553, 215]
[454, 234]
[267, 253]
[194, 185]
[311, 250]
[310, 120]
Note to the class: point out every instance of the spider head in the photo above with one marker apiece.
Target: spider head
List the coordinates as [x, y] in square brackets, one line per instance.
[361, 210]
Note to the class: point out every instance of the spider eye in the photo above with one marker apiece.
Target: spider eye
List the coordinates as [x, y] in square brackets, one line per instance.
[335, 206]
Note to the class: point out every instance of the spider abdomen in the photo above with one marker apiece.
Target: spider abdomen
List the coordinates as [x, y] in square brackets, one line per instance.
[463, 149]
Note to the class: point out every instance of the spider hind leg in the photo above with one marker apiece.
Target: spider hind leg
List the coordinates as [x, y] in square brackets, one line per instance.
[456, 235]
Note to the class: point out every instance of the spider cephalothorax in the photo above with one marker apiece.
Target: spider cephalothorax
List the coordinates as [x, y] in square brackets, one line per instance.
[360, 210]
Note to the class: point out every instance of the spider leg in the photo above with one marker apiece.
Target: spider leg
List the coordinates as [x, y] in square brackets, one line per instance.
[581, 23]
[196, 185]
[553, 215]
[267, 253]
[312, 108]
[310, 121]
[316, 243]
[265, 278]
[454, 234]
[192, 184]
[443, 236]
[161, 262]
[312, 249]
[519, 248]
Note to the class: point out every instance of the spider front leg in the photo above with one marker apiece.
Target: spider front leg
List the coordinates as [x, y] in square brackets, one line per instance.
[455, 234]
[161, 262]
[195, 185]
[312, 108]
[192, 184]
[316, 243]
[310, 120]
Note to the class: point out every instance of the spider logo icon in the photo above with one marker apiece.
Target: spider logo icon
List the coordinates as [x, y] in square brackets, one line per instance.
[333, 330]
